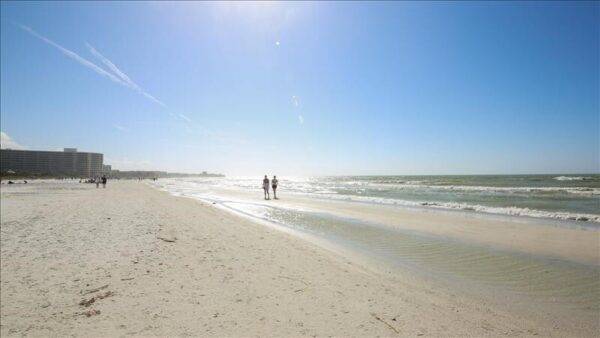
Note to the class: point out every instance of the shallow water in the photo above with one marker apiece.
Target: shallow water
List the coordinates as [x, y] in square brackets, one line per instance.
[546, 279]
[526, 278]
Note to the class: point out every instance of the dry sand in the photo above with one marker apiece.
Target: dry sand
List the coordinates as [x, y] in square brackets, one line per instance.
[157, 265]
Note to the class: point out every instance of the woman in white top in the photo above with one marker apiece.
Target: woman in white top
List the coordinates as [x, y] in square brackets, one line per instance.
[274, 184]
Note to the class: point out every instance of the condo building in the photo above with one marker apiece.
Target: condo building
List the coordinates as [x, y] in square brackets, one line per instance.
[69, 162]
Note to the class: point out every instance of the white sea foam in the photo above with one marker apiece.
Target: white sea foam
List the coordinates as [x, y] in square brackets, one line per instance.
[359, 192]
[334, 187]
[475, 188]
[509, 211]
[572, 178]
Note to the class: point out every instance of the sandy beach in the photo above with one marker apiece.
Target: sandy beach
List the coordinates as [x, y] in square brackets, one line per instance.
[130, 260]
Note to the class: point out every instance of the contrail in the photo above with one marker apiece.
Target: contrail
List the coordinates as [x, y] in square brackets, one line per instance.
[126, 79]
[117, 75]
[72, 55]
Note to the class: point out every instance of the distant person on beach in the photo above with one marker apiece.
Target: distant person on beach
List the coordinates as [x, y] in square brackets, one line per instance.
[266, 188]
[274, 184]
[97, 181]
[103, 181]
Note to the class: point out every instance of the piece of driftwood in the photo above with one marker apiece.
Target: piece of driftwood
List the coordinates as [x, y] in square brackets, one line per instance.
[297, 280]
[88, 302]
[167, 239]
[91, 312]
[386, 323]
[95, 290]
[104, 295]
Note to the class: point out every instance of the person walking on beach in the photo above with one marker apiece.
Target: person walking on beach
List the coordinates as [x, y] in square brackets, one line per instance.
[103, 181]
[97, 180]
[266, 188]
[274, 184]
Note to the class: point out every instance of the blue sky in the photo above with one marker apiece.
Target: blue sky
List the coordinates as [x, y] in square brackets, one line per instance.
[307, 88]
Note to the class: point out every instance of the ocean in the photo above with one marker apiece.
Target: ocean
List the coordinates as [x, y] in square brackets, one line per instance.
[559, 197]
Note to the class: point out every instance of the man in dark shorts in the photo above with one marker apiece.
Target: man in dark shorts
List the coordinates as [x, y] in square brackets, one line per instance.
[104, 181]
[274, 184]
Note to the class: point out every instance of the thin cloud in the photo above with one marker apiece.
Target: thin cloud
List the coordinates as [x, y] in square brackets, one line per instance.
[73, 55]
[185, 117]
[6, 142]
[148, 96]
[116, 76]
[121, 128]
[296, 101]
[297, 106]
[126, 79]
[112, 67]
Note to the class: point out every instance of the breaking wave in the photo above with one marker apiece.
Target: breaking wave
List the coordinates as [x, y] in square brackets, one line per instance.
[507, 211]
[469, 188]
[572, 178]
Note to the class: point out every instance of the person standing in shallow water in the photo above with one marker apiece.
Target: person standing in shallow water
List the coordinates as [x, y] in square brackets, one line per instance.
[266, 188]
[274, 184]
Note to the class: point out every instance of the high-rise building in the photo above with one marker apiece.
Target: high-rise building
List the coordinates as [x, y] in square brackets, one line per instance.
[106, 169]
[69, 162]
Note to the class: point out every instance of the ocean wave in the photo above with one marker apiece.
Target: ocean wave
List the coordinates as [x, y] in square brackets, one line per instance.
[570, 190]
[507, 211]
[475, 188]
[361, 195]
[572, 178]
[384, 181]
[516, 211]
[358, 187]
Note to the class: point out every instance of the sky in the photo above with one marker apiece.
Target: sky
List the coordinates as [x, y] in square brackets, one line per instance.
[301, 88]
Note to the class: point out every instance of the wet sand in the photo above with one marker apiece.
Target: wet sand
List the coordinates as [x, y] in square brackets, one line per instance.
[131, 260]
[526, 236]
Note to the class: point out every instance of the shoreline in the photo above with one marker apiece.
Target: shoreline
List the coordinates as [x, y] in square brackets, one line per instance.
[517, 268]
[528, 236]
[178, 266]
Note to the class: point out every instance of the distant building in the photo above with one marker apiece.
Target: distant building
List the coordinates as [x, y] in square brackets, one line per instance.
[106, 169]
[69, 162]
